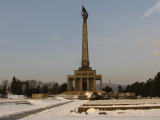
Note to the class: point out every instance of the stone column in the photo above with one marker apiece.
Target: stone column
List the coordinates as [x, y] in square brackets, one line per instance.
[80, 84]
[74, 84]
[94, 84]
[87, 83]
[68, 84]
[101, 84]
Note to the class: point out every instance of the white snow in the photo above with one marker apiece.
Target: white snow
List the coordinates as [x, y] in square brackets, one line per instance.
[92, 111]
[60, 112]
[69, 111]
[75, 96]
[63, 113]
[12, 108]
[88, 94]
[10, 96]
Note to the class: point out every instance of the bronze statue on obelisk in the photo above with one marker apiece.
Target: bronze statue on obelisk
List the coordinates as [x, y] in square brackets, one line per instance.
[84, 79]
[84, 14]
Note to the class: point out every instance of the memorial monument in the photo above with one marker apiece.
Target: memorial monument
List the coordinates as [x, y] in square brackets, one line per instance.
[84, 79]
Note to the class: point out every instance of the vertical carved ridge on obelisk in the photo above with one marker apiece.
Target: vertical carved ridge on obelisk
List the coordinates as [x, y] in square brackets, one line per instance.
[85, 56]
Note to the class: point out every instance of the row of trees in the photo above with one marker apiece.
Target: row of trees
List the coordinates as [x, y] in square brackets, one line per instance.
[150, 88]
[37, 87]
[109, 89]
[30, 87]
[16, 86]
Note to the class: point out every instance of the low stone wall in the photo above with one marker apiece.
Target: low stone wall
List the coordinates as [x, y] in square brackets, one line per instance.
[70, 97]
[121, 104]
[102, 108]
[39, 96]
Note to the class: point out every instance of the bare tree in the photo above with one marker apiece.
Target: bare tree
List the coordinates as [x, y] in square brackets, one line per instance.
[4, 86]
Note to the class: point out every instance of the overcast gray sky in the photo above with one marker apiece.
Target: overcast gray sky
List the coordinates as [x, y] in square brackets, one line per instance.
[41, 39]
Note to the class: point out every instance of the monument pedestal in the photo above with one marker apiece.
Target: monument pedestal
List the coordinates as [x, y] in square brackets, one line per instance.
[83, 80]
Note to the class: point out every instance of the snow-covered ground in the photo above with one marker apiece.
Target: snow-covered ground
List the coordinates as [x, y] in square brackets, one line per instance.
[63, 113]
[57, 113]
[118, 115]
[9, 106]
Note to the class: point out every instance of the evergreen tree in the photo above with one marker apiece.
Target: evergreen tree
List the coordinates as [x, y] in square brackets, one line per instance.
[120, 89]
[27, 90]
[107, 89]
[63, 87]
[45, 89]
[19, 88]
[16, 86]
[13, 85]
[150, 88]
[128, 89]
[55, 89]
[38, 90]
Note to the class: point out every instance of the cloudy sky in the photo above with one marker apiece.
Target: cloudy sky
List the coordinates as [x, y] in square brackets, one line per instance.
[41, 39]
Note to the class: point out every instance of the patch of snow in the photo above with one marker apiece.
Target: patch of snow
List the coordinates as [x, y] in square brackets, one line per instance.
[88, 94]
[60, 98]
[10, 96]
[92, 111]
[57, 113]
[8, 108]
[75, 96]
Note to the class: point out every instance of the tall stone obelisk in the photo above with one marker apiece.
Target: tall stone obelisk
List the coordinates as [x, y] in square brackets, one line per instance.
[85, 55]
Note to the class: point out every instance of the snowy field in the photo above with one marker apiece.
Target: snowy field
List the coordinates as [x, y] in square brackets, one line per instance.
[10, 106]
[63, 112]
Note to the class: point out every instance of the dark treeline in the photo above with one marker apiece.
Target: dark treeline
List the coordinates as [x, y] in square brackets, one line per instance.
[107, 89]
[150, 88]
[29, 87]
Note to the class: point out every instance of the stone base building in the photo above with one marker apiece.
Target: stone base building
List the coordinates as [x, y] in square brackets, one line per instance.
[83, 80]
